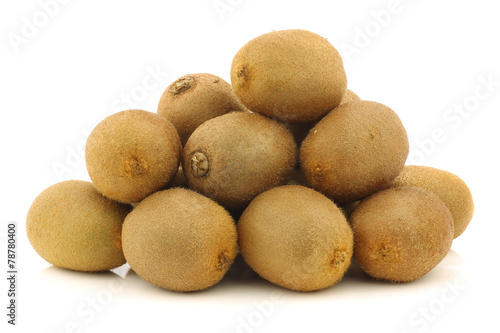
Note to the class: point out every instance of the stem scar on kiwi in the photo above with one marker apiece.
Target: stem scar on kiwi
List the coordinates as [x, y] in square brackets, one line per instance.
[339, 257]
[199, 164]
[224, 261]
[134, 166]
[242, 75]
[183, 84]
[386, 252]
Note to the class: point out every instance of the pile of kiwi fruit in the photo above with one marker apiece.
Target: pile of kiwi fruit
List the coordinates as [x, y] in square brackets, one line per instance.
[284, 166]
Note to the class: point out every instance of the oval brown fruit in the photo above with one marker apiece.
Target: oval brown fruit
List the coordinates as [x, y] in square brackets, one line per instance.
[290, 75]
[450, 188]
[72, 225]
[179, 240]
[131, 154]
[234, 157]
[295, 237]
[195, 98]
[400, 234]
[356, 150]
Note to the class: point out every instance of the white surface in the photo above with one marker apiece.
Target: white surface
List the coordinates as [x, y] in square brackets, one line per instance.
[89, 55]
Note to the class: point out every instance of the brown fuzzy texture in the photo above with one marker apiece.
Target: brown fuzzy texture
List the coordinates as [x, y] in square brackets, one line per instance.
[349, 96]
[296, 238]
[354, 151]
[300, 130]
[290, 75]
[234, 157]
[132, 154]
[195, 98]
[71, 225]
[400, 234]
[179, 240]
[447, 186]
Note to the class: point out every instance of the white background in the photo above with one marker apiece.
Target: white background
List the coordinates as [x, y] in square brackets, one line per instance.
[92, 58]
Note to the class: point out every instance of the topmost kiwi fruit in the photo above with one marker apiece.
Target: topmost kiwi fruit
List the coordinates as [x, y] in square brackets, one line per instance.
[195, 98]
[291, 75]
[356, 150]
[447, 186]
[132, 154]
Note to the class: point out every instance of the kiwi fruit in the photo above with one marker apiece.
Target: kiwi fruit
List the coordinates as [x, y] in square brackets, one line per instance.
[195, 98]
[234, 157]
[400, 234]
[356, 150]
[300, 130]
[71, 225]
[131, 154]
[295, 237]
[450, 188]
[179, 240]
[291, 75]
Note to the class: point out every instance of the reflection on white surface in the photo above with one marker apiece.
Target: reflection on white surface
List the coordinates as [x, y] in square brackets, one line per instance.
[240, 277]
[69, 301]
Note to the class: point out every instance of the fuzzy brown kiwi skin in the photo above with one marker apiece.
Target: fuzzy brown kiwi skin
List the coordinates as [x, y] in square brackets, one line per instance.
[299, 88]
[349, 96]
[295, 237]
[450, 188]
[180, 240]
[356, 150]
[234, 157]
[195, 98]
[400, 234]
[131, 154]
[71, 225]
